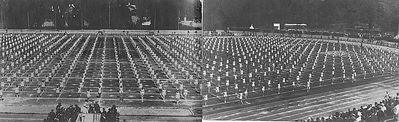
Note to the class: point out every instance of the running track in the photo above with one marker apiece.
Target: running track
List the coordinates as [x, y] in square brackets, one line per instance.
[314, 105]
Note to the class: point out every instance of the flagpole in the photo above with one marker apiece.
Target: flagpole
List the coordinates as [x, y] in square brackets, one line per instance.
[178, 19]
[155, 18]
[55, 17]
[109, 14]
[81, 15]
[27, 14]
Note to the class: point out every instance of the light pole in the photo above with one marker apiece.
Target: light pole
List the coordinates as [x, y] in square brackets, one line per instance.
[27, 14]
[81, 15]
[55, 10]
[109, 14]
[178, 19]
[155, 18]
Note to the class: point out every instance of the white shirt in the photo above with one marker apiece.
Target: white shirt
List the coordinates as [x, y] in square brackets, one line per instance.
[38, 90]
[185, 92]
[383, 108]
[163, 92]
[177, 95]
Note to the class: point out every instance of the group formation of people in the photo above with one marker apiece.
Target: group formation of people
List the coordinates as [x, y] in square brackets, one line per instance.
[387, 109]
[74, 113]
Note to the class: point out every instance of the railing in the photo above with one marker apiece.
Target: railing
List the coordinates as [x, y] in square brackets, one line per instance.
[88, 117]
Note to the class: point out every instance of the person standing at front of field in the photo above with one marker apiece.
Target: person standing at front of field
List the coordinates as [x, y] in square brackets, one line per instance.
[205, 97]
[16, 91]
[225, 96]
[88, 95]
[163, 95]
[240, 96]
[38, 91]
[99, 92]
[142, 95]
[177, 97]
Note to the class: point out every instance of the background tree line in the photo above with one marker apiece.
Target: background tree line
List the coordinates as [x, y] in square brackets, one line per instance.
[318, 14]
[96, 14]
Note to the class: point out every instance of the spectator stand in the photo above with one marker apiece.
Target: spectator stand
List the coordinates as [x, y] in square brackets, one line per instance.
[383, 111]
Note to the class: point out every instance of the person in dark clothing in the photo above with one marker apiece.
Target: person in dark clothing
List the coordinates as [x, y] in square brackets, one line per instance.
[97, 108]
[108, 115]
[113, 114]
[58, 107]
[103, 115]
[70, 112]
[113, 109]
[91, 109]
[60, 114]
[380, 115]
[77, 109]
[51, 116]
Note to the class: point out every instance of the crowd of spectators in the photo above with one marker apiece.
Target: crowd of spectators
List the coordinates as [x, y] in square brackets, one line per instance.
[387, 109]
[64, 114]
[73, 113]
